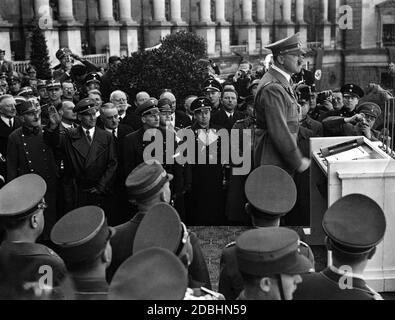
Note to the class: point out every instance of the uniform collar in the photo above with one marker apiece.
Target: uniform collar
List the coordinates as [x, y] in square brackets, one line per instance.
[283, 73]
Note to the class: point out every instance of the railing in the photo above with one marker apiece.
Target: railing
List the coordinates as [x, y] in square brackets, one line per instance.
[239, 49]
[99, 60]
[21, 66]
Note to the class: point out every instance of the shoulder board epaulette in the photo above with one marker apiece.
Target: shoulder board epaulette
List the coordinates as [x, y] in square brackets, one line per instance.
[232, 244]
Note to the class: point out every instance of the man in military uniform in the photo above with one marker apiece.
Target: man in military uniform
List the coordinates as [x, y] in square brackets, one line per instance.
[361, 124]
[28, 152]
[83, 240]
[162, 227]
[90, 156]
[277, 110]
[335, 119]
[42, 92]
[270, 263]
[62, 71]
[271, 194]
[182, 173]
[92, 81]
[212, 89]
[14, 83]
[21, 258]
[207, 170]
[235, 200]
[134, 142]
[147, 185]
[354, 226]
[151, 274]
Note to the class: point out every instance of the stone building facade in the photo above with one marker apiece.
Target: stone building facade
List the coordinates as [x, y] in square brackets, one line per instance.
[359, 54]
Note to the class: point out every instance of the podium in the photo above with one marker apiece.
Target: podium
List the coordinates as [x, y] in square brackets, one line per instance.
[364, 169]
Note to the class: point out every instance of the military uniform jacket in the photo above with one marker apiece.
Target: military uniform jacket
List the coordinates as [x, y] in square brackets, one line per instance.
[325, 286]
[20, 264]
[134, 146]
[28, 152]
[122, 249]
[277, 114]
[90, 289]
[230, 279]
[92, 166]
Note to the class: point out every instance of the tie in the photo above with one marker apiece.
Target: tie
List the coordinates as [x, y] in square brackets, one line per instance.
[231, 118]
[88, 136]
[114, 133]
[10, 123]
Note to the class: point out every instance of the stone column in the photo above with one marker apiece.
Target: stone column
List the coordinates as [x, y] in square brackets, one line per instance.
[206, 27]
[263, 26]
[69, 29]
[159, 27]
[5, 41]
[176, 18]
[325, 26]
[301, 25]
[129, 27]
[49, 27]
[223, 27]
[286, 27]
[339, 33]
[108, 39]
[247, 29]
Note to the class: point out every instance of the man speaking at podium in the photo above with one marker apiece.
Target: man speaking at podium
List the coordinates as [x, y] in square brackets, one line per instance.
[277, 110]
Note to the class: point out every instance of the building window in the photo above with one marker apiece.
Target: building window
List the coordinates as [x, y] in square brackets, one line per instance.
[388, 35]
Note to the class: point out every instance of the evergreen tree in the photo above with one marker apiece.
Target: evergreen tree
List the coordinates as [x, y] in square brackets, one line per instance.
[39, 56]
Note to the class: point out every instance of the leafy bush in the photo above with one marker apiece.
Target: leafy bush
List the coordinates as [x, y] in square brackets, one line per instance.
[187, 41]
[172, 66]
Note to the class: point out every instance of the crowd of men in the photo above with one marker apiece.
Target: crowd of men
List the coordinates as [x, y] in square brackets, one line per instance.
[75, 180]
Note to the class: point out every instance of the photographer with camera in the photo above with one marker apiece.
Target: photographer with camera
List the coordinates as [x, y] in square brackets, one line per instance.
[62, 72]
[361, 124]
[242, 79]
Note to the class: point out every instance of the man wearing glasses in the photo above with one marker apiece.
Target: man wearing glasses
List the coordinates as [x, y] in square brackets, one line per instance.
[28, 152]
[277, 110]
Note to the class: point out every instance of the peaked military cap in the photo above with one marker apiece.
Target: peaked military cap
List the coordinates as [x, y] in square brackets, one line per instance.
[85, 105]
[41, 84]
[271, 190]
[161, 227]
[3, 76]
[93, 77]
[62, 52]
[148, 107]
[2, 51]
[82, 234]
[353, 90]
[165, 104]
[146, 180]
[53, 84]
[292, 44]
[151, 274]
[22, 196]
[14, 78]
[212, 85]
[270, 251]
[28, 91]
[25, 106]
[200, 104]
[369, 108]
[354, 224]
